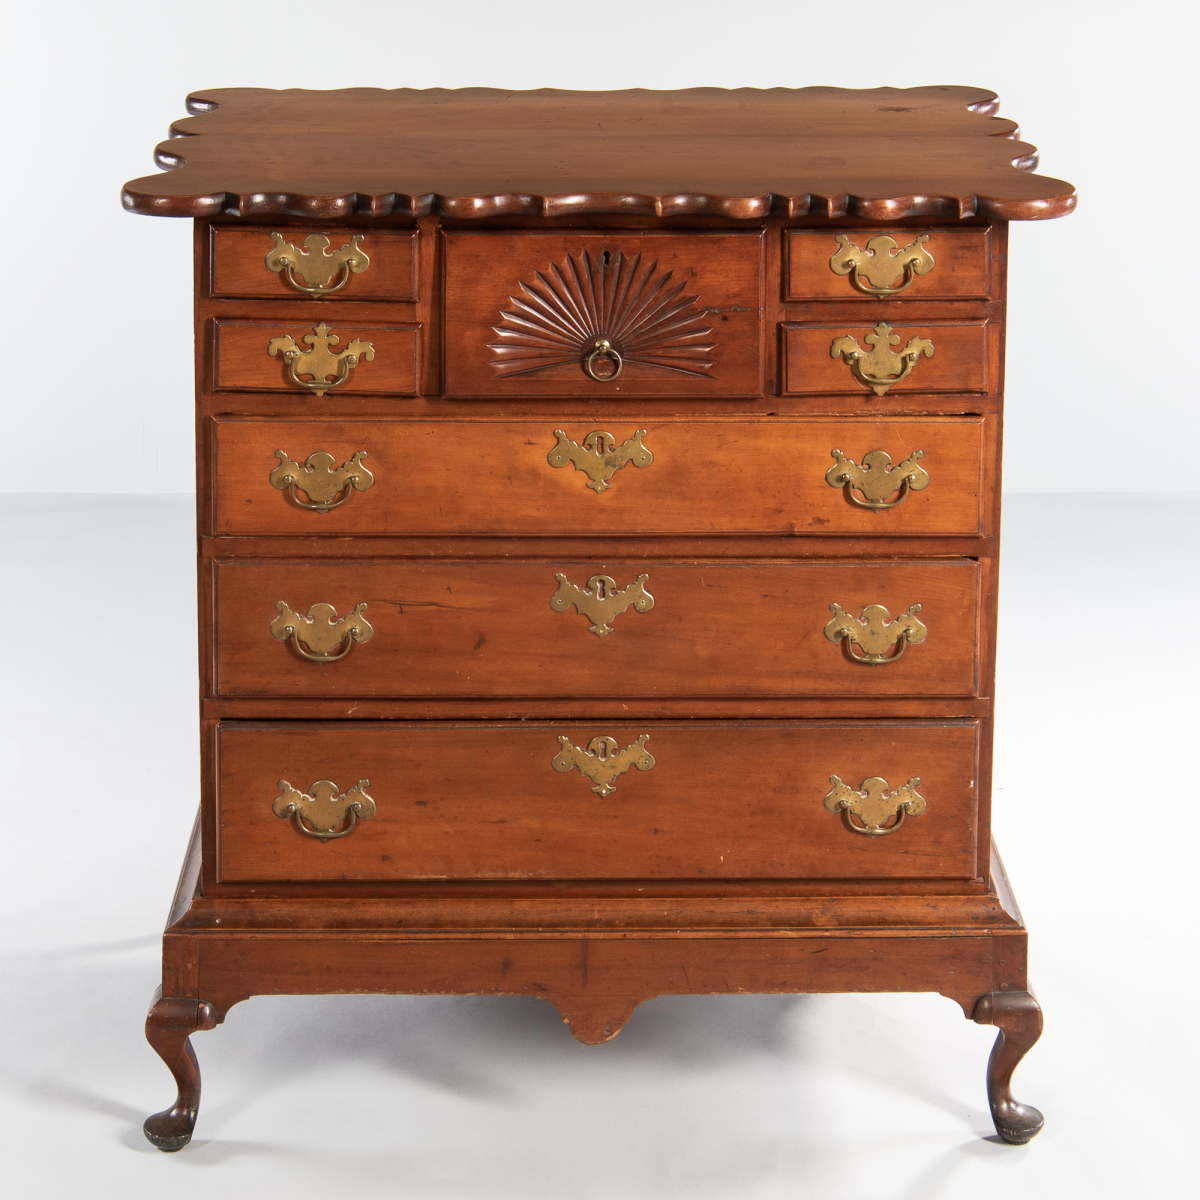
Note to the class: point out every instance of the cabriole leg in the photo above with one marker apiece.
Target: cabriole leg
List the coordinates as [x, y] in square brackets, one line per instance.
[1018, 1020]
[169, 1023]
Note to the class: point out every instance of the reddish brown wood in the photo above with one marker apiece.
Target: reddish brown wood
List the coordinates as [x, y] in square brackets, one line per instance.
[483, 277]
[168, 1025]
[961, 268]
[487, 629]
[238, 267]
[882, 154]
[959, 363]
[447, 889]
[241, 360]
[707, 477]
[1018, 1019]
[723, 800]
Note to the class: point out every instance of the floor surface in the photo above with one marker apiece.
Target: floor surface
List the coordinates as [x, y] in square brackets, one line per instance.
[745, 1098]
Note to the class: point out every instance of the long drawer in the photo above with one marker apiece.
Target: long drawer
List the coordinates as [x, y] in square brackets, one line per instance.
[709, 800]
[596, 628]
[546, 477]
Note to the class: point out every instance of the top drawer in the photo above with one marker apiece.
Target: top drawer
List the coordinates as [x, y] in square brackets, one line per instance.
[874, 264]
[603, 315]
[306, 264]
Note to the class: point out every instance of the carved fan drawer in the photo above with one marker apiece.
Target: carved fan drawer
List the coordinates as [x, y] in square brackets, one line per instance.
[308, 263]
[591, 628]
[573, 477]
[874, 361]
[884, 264]
[601, 315]
[715, 800]
[315, 362]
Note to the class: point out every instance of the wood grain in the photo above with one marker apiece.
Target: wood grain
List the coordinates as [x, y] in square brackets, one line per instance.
[961, 264]
[487, 629]
[723, 800]
[484, 272]
[241, 361]
[881, 154]
[959, 362]
[238, 267]
[708, 477]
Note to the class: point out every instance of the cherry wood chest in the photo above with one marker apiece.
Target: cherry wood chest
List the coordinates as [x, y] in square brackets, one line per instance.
[598, 513]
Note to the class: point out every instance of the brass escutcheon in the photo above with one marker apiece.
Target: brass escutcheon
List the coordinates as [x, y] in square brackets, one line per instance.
[326, 486]
[600, 602]
[874, 806]
[881, 263]
[602, 762]
[320, 811]
[317, 267]
[327, 636]
[874, 633]
[599, 458]
[320, 362]
[877, 479]
[873, 367]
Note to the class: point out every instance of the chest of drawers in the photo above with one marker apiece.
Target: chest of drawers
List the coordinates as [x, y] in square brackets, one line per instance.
[598, 519]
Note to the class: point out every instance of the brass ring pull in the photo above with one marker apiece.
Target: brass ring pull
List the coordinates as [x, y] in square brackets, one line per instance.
[318, 812]
[328, 637]
[874, 633]
[317, 290]
[874, 806]
[603, 348]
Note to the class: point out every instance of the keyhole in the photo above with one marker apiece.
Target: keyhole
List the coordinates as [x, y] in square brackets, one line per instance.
[600, 589]
[607, 257]
[602, 751]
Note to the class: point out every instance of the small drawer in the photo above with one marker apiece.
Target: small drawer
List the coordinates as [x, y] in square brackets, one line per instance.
[598, 800]
[879, 360]
[319, 361]
[603, 316]
[596, 628]
[557, 478]
[351, 264]
[875, 264]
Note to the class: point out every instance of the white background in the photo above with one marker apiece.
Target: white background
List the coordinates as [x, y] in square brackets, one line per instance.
[1103, 303]
[836, 1098]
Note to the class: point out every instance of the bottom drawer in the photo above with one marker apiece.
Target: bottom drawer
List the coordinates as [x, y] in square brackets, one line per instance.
[602, 800]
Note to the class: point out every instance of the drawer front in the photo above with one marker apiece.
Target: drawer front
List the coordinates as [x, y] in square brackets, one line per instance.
[351, 264]
[526, 315]
[818, 358]
[595, 628]
[243, 360]
[874, 264]
[701, 800]
[668, 477]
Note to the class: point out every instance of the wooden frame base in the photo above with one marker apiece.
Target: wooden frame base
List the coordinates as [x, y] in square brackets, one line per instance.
[594, 973]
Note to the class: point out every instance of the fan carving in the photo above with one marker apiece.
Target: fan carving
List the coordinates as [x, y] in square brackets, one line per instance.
[601, 314]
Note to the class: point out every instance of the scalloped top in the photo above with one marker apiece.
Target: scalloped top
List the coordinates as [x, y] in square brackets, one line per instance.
[879, 154]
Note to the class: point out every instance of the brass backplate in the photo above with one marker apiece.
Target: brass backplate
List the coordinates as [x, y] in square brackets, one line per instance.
[602, 762]
[319, 811]
[881, 263]
[600, 601]
[880, 367]
[319, 360]
[326, 486]
[321, 636]
[599, 458]
[874, 805]
[315, 265]
[877, 480]
[874, 633]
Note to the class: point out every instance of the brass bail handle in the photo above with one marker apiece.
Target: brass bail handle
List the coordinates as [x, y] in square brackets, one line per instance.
[603, 348]
[343, 278]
